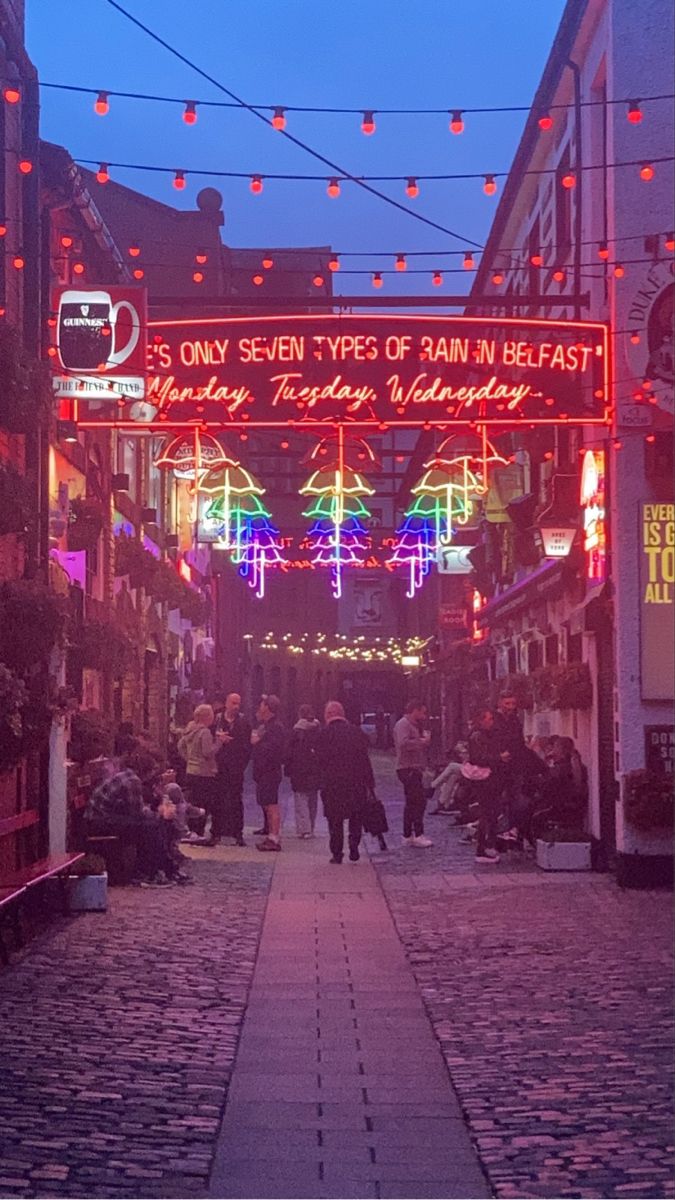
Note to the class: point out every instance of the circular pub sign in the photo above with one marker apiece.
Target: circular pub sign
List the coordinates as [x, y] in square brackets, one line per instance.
[649, 337]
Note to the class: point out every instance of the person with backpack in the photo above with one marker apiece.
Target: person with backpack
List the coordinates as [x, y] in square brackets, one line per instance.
[302, 768]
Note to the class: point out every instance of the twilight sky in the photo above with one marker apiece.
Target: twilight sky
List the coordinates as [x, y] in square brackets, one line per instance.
[351, 53]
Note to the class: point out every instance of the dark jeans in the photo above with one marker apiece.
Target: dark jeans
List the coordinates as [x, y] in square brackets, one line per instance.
[204, 794]
[415, 801]
[336, 834]
[488, 797]
[228, 808]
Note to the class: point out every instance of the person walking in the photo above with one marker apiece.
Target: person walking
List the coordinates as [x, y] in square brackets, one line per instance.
[484, 771]
[198, 747]
[233, 734]
[302, 769]
[510, 739]
[346, 780]
[411, 743]
[269, 744]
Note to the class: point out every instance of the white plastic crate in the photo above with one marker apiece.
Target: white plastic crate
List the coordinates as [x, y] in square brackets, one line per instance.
[88, 893]
[564, 856]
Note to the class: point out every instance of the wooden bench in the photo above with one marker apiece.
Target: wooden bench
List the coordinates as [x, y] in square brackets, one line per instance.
[17, 887]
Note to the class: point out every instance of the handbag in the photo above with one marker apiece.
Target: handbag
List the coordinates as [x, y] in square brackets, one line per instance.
[475, 774]
[374, 816]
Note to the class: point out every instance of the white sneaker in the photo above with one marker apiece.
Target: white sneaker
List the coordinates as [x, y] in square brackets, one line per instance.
[488, 856]
[407, 841]
[422, 840]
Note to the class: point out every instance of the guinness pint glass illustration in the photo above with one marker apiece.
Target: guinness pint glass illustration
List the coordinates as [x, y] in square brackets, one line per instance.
[91, 335]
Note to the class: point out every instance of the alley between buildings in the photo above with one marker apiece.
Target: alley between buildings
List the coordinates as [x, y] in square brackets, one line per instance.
[409, 1026]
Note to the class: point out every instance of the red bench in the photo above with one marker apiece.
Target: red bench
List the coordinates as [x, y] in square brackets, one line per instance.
[16, 888]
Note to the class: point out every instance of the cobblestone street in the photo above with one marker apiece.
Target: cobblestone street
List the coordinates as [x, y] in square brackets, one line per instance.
[548, 995]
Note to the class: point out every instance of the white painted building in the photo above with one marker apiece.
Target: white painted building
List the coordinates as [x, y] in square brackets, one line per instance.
[609, 56]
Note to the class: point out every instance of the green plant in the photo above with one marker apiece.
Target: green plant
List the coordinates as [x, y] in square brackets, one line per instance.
[18, 501]
[25, 390]
[132, 559]
[91, 736]
[103, 645]
[648, 800]
[32, 622]
[13, 701]
[566, 685]
[91, 864]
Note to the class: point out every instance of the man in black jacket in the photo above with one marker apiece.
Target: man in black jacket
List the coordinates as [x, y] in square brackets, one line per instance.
[346, 780]
[510, 741]
[233, 734]
[269, 751]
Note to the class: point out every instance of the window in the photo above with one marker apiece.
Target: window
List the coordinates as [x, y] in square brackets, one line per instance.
[552, 650]
[534, 655]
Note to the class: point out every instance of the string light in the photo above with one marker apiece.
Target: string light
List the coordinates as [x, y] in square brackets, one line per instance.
[333, 188]
[258, 279]
[469, 262]
[18, 261]
[256, 184]
[3, 230]
[437, 278]
[634, 112]
[377, 279]
[179, 181]
[490, 185]
[102, 104]
[11, 94]
[559, 275]
[190, 114]
[569, 180]
[603, 250]
[201, 257]
[268, 262]
[25, 166]
[497, 278]
[134, 250]
[368, 123]
[401, 264]
[334, 263]
[78, 268]
[619, 271]
[67, 241]
[456, 121]
[536, 260]
[647, 172]
[138, 273]
[279, 119]
[103, 174]
[545, 122]
[669, 241]
[635, 338]
[318, 281]
[412, 188]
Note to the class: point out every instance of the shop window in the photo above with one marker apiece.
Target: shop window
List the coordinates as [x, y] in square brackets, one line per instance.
[552, 650]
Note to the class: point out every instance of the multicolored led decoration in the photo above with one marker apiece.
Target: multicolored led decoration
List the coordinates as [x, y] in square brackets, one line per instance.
[338, 537]
[453, 479]
[244, 524]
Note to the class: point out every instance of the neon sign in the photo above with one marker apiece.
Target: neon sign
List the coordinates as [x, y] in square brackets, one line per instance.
[367, 370]
[592, 496]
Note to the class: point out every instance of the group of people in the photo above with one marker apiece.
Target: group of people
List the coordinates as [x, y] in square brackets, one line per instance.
[506, 790]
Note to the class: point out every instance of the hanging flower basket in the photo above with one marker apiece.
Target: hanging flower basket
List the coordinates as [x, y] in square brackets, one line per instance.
[103, 646]
[648, 801]
[32, 622]
[85, 523]
[566, 685]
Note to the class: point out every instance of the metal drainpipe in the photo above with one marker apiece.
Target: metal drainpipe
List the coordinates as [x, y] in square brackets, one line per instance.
[578, 165]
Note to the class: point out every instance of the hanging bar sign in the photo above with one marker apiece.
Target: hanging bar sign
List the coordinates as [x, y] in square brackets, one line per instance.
[372, 369]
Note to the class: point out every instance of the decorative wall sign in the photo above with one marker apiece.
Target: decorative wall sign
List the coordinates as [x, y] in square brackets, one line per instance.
[373, 369]
[649, 342]
[657, 583]
[100, 344]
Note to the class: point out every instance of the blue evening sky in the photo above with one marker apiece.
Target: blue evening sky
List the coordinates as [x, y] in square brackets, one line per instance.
[352, 53]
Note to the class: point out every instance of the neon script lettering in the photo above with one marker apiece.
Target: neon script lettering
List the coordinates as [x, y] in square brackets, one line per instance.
[289, 392]
[164, 392]
[405, 395]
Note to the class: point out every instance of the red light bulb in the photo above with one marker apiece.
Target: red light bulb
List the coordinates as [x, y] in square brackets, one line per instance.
[3, 230]
[256, 185]
[468, 263]
[201, 257]
[11, 94]
[401, 264]
[497, 278]
[334, 263]
[284, 445]
[190, 114]
[569, 180]
[66, 241]
[490, 185]
[456, 122]
[25, 166]
[333, 188]
[101, 104]
[669, 241]
[318, 280]
[647, 172]
[268, 262]
[635, 338]
[19, 262]
[103, 174]
[198, 276]
[78, 268]
[138, 273]
[619, 271]
[559, 276]
[536, 260]
[545, 122]
[279, 119]
[437, 278]
[377, 279]
[651, 437]
[134, 250]
[634, 112]
[179, 181]
[603, 250]
[412, 188]
[258, 279]
[368, 123]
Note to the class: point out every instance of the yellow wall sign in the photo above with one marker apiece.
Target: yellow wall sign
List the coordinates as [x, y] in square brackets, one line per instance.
[657, 593]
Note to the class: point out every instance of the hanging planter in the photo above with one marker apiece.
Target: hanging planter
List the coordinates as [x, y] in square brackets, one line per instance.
[103, 646]
[566, 685]
[32, 622]
[86, 520]
[648, 801]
